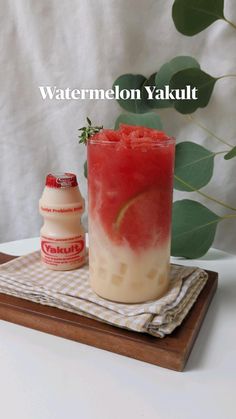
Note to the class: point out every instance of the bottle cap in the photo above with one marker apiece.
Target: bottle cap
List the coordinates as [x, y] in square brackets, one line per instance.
[61, 180]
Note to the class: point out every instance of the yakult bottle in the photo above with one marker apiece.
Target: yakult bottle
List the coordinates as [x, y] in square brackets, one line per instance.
[62, 234]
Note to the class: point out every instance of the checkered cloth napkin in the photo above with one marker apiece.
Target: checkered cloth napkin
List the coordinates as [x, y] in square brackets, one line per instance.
[25, 277]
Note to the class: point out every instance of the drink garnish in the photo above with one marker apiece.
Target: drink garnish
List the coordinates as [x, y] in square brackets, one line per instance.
[87, 132]
[123, 210]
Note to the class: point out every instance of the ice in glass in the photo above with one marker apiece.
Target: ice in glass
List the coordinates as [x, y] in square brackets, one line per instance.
[130, 177]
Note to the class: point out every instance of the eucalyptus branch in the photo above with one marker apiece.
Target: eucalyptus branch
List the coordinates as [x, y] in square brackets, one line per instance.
[211, 198]
[228, 216]
[226, 76]
[230, 23]
[196, 122]
[220, 152]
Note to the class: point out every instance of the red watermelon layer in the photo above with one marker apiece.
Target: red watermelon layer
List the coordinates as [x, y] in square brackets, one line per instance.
[130, 174]
[131, 136]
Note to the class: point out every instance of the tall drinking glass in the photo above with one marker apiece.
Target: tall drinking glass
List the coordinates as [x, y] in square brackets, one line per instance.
[130, 178]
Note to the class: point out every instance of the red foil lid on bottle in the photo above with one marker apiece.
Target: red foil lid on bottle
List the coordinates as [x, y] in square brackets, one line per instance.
[61, 180]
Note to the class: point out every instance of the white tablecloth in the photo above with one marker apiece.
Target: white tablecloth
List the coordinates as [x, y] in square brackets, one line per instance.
[47, 377]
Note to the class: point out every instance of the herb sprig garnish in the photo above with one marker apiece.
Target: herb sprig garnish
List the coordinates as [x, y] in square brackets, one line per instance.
[87, 132]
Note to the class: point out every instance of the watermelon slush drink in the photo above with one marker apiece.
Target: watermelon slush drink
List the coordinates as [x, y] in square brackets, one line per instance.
[130, 175]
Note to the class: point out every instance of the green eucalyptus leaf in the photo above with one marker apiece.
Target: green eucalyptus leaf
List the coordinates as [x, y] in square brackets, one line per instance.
[85, 169]
[195, 78]
[153, 103]
[193, 166]
[132, 81]
[193, 230]
[166, 72]
[193, 16]
[231, 154]
[149, 119]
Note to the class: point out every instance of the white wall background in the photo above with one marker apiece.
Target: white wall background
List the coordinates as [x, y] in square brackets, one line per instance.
[87, 44]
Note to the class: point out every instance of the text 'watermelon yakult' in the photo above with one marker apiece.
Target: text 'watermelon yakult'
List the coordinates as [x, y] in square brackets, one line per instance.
[130, 175]
[62, 234]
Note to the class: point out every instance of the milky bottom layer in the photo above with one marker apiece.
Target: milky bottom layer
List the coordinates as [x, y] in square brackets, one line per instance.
[121, 274]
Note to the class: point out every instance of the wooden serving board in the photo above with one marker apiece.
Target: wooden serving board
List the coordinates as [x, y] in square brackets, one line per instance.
[170, 352]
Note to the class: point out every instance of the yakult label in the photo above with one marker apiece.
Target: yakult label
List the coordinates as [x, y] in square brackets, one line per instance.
[79, 208]
[62, 251]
